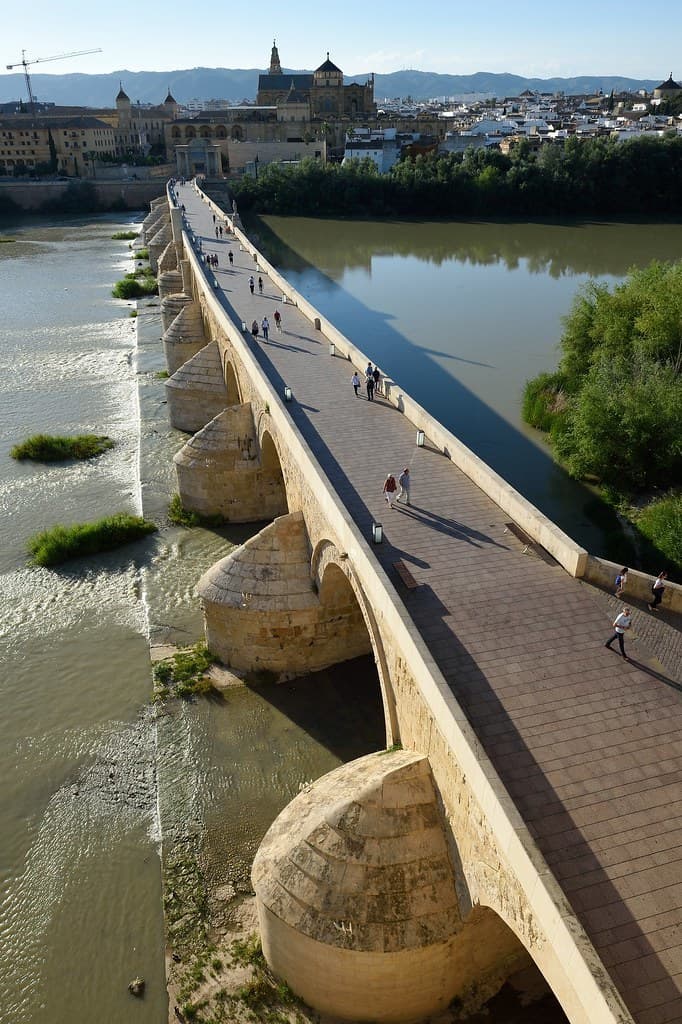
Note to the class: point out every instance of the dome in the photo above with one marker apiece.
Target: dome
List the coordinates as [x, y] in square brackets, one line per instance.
[327, 67]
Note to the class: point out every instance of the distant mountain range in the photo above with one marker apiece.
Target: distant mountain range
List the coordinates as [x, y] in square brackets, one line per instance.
[236, 85]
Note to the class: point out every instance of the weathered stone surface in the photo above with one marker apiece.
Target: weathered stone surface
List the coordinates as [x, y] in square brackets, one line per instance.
[168, 259]
[170, 282]
[221, 471]
[158, 242]
[262, 611]
[171, 306]
[376, 902]
[196, 392]
[184, 338]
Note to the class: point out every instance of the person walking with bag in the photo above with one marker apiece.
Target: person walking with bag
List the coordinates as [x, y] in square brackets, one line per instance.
[621, 580]
[404, 481]
[620, 624]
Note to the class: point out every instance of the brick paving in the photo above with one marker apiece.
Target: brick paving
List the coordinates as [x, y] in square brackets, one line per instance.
[589, 746]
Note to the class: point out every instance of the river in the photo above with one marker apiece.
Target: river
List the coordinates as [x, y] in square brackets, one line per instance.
[461, 315]
[92, 779]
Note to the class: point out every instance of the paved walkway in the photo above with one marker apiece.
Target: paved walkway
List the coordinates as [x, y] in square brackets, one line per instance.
[588, 745]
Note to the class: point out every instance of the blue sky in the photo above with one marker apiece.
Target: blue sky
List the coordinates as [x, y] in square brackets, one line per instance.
[526, 38]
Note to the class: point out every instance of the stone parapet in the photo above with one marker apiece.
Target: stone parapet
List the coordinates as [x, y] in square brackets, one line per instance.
[196, 392]
[220, 471]
[184, 338]
[603, 573]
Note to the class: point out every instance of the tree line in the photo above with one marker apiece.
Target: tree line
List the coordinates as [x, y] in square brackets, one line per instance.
[595, 177]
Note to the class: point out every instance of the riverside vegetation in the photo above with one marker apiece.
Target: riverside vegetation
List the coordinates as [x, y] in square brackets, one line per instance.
[613, 408]
[53, 448]
[61, 543]
[598, 177]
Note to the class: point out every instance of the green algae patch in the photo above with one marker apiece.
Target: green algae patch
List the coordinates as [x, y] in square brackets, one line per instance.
[178, 515]
[61, 543]
[52, 448]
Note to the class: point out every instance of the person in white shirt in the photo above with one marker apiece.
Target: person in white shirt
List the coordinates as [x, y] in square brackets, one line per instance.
[620, 624]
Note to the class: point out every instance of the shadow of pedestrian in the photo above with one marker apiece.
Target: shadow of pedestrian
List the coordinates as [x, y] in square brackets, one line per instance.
[450, 527]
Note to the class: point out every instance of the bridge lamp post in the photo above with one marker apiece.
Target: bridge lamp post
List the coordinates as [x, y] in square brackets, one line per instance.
[377, 533]
[420, 439]
[288, 394]
[243, 327]
[332, 348]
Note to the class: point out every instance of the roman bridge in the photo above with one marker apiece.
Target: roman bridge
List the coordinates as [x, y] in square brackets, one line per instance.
[527, 808]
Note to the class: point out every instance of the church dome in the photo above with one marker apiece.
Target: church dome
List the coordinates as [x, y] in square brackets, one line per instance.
[328, 67]
[669, 85]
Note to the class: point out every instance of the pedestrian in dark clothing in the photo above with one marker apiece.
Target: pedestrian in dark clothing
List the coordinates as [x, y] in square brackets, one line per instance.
[214, 218]
[369, 384]
[620, 624]
[230, 257]
[390, 488]
[377, 378]
[254, 329]
[265, 328]
[216, 232]
[252, 284]
[657, 589]
[260, 285]
[278, 320]
[220, 229]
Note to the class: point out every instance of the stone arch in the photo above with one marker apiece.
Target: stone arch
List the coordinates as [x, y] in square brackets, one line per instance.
[190, 132]
[272, 466]
[221, 132]
[237, 133]
[205, 132]
[234, 396]
[335, 579]
[175, 132]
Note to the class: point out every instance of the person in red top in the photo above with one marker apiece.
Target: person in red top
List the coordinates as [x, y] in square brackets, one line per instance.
[390, 487]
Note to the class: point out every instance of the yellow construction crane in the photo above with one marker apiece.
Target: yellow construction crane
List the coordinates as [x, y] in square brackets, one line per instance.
[23, 63]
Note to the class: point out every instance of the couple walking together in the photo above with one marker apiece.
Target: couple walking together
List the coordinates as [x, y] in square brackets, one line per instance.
[390, 487]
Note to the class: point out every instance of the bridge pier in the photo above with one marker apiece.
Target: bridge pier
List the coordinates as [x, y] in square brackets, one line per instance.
[358, 900]
[196, 392]
[223, 470]
[263, 612]
[184, 338]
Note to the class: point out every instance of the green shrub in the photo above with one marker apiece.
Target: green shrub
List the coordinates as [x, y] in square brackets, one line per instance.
[125, 236]
[185, 674]
[178, 515]
[49, 448]
[544, 400]
[132, 314]
[61, 543]
[140, 254]
[661, 523]
[164, 375]
[134, 287]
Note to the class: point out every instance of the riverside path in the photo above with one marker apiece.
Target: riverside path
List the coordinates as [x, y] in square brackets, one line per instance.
[588, 746]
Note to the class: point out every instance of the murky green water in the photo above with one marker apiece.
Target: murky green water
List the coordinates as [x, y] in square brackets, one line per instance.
[462, 314]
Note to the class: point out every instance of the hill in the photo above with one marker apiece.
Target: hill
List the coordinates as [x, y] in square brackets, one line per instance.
[238, 84]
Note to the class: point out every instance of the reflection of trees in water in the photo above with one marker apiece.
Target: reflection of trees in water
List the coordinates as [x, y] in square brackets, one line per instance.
[559, 250]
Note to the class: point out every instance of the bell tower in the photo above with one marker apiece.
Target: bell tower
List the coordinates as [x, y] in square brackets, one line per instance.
[275, 66]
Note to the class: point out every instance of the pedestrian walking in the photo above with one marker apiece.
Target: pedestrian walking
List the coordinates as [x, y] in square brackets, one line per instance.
[369, 385]
[404, 481]
[377, 379]
[355, 381]
[252, 284]
[390, 487]
[214, 218]
[260, 285]
[621, 580]
[254, 329]
[220, 229]
[657, 588]
[265, 327]
[369, 371]
[230, 257]
[216, 232]
[278, 320]
[215, 259]
[620, 624]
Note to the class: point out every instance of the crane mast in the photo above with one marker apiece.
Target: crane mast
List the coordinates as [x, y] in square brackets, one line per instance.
[25, 64]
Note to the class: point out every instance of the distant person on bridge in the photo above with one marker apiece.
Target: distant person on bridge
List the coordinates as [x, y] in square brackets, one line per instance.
[657, 589]
[369, 384]
[252, 284]
[390, 487]
[277, 317]
[230, 257]
[377, 379]
[355, 381]
[260, 285]
[220, 229]
[404, 481]
[265, 328]
[620, 624]
[621, 580]
[254, 330]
